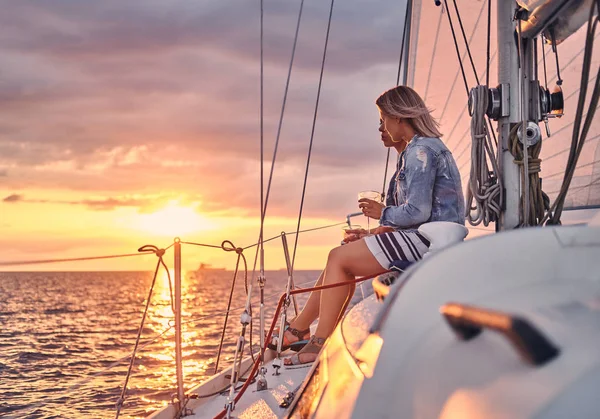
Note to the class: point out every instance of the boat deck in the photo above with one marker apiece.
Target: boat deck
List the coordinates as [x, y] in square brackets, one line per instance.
[263, 404]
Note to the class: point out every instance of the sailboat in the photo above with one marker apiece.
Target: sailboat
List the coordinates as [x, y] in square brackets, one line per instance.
[501, 326]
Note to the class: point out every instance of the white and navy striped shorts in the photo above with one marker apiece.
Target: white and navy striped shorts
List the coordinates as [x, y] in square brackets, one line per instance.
[397, 245]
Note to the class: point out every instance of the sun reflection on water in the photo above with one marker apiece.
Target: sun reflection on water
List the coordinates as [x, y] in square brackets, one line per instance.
[74, 325]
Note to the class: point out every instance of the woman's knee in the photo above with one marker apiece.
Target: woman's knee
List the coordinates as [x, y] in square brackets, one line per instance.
[338, 259]
[336, 256]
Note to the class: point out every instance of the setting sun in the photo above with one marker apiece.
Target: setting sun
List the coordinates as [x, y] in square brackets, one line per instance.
[174, 220]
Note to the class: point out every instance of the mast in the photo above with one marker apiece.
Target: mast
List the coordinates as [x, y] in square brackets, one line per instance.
[508, 70]
[410, 56]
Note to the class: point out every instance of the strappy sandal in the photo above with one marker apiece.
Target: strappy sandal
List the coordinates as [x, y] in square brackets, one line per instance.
[276, 330]
[314, 346]
[296, 345]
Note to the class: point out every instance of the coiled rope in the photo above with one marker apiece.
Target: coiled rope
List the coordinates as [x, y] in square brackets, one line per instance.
[483, 193]
[539, 202]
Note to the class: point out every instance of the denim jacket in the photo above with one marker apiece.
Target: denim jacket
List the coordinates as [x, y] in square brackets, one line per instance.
[426, 187]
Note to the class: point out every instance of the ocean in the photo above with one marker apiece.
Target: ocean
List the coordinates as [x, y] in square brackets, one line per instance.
[66, 337]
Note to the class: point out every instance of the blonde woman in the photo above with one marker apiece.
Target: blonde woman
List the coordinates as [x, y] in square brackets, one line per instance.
[425, 187]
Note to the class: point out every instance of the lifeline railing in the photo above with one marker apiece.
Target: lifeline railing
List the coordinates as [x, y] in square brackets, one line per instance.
[176, 303]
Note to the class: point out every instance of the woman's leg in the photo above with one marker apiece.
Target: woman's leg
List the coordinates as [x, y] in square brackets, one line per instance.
[344, 263]
[310, 311]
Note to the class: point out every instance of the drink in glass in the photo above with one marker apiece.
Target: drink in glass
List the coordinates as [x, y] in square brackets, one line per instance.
[374, 196]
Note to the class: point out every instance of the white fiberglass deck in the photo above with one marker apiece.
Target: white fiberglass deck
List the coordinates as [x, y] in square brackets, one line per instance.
[253, 404]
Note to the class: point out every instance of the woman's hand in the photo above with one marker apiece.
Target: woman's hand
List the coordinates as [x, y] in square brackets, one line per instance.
[382, 229]
[354, 235]
[370, 208]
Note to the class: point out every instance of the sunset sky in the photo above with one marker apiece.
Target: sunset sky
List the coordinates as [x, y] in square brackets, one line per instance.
[118, 116]
[130, 123]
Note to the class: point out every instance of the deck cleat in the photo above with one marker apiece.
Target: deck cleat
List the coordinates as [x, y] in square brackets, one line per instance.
[261, 382]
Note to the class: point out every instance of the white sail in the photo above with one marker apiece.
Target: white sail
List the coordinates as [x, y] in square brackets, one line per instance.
[440, 82]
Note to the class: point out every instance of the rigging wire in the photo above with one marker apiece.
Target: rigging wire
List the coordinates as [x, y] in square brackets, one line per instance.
[278, 136]
[121, 399]
[400, 59]
[240, 253]
[462, 69]
[312, 135]
[579, 137]
[468, 48]
[262, 101]
[293, 232]
[41, 261]
[487, 55]
[462, 58]
[462, 29]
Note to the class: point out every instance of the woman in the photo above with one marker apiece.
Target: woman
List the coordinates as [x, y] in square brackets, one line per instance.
[425, 187]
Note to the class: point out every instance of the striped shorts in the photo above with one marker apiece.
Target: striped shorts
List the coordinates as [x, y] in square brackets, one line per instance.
[397, 245]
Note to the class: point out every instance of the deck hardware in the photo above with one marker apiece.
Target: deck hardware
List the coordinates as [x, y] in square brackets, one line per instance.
[468, 321]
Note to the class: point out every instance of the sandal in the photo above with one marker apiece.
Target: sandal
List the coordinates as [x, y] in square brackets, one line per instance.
[276, 330]
[302, 336]
[314, 346]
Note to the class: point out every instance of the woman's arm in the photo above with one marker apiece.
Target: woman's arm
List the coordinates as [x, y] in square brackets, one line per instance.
[419, 172]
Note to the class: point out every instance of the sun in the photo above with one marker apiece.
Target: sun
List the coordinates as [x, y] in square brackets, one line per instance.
[174, 220]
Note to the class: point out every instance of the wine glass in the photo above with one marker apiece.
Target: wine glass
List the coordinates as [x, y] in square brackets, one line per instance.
[373, 195]
[348, 231]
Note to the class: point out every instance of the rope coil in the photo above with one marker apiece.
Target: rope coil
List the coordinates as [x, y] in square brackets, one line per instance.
[485, 187]
[539, 201]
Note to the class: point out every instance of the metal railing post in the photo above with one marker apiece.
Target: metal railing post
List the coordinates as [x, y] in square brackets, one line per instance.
[178, 356]
[288, 263]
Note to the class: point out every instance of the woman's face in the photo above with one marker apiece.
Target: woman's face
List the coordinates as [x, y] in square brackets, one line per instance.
[390, 130]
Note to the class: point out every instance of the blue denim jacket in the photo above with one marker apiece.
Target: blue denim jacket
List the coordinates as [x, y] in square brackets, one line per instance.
[426, 187]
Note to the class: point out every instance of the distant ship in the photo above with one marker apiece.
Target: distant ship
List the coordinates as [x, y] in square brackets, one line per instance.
[205, 267]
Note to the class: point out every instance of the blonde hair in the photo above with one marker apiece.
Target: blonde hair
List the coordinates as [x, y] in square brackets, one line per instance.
[404, 103]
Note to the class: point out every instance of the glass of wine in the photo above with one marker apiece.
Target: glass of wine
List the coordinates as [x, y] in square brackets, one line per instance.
[372, 195]
[348, 231]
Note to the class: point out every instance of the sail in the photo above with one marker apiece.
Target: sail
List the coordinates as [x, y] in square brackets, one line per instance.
[438, 78]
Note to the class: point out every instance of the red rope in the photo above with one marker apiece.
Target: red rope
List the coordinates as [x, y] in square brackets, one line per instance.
[222, 414]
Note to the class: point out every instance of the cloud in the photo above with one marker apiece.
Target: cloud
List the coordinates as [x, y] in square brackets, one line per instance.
[120, 99]
[144, 204]
[13, 198]
[141, 28]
